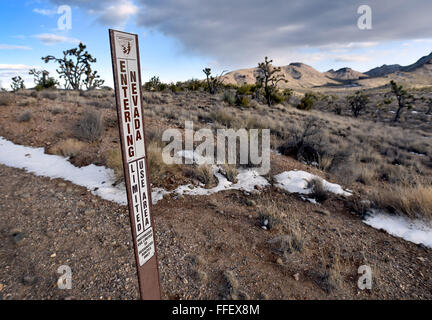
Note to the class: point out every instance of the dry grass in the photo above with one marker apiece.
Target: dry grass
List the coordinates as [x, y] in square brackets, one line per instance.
[230, 172]
[6, 99]
[318, 192]
[68, 148]
[90, 126]
[114, 161]
[413, 201]
[159, 170]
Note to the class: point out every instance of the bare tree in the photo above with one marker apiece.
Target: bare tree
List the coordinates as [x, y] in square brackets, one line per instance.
[268, 77]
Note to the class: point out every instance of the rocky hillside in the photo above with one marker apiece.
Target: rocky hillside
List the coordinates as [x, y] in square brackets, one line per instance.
[300, 75]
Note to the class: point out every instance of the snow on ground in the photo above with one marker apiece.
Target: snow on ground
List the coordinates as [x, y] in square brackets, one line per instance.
[296, 182]
[415, 231]
[99, 180]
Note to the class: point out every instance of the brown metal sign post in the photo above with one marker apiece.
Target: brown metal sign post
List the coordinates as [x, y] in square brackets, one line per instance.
[127, 84]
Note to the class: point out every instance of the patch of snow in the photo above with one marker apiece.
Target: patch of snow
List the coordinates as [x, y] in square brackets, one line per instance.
[296, 182]
[418, 154]
[98, 179]
[247, 180]
[415, 231]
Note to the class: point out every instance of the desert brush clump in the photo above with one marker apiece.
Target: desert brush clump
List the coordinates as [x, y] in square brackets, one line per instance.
[307, 102]
[230, 172]
[6, 99]
[114, 160]
[24, 117]
[68, 148]
[318, 191]
[414, 201]
[90, 126]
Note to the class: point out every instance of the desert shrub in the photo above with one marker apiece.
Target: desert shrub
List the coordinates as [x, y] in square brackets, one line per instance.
[223, 117]
[306, 143]
[242, 101]
[193, 84]
[229, 98]
[230, 172]
[68, 148]
[366, 175]
[246, 89]
[269, 218]
[318, 191]
[325, 161]
[114, 161]
[333, 279]
[307, 102]
[89, 127]
[6, 99]
[204, 174]
[24, 117]
[52, 95]
[159, 170]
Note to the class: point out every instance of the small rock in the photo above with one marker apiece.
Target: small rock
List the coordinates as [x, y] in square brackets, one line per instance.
[296, 276]
[62, 184]
[279, 261]
[81, 203]
[53, 255]
[421, 259]
[90, 212]
[17, 235]
[29, 280]
[264, 227]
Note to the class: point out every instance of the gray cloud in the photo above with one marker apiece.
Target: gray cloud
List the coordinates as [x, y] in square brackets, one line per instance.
[107, 12]
[242, 32]
[246, 30]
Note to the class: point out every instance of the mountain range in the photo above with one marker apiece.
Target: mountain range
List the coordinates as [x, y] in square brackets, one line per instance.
[300, 75]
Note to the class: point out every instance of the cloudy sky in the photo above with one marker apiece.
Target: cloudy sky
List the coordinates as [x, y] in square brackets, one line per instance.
[178, 38]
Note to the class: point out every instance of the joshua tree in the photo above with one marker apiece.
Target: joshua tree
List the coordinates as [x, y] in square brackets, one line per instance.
[213, 83]
[358, 102]
[404, 99]
[17, 83]
[268, 78]
[75, 68]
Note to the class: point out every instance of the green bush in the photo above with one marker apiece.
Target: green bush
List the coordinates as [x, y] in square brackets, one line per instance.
[229, 98]
[307, 102]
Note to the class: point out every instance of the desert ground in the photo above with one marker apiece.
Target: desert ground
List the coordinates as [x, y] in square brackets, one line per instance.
[214, 246]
